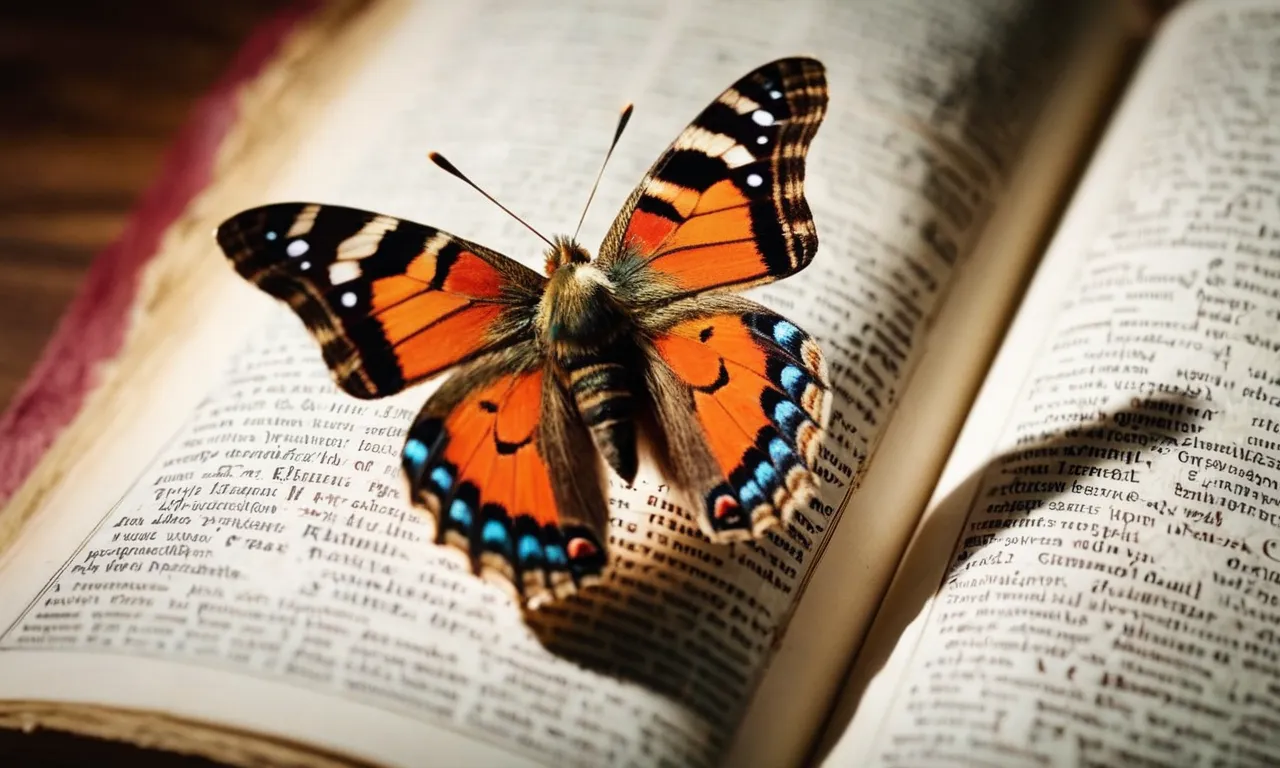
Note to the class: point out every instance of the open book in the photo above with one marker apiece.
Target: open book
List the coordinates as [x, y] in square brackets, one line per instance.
[1049, 524]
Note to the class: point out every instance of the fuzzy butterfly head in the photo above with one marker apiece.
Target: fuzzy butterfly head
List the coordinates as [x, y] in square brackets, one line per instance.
[565, 250]
[553, 373]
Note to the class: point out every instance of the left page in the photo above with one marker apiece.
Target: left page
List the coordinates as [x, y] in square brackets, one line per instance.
[255, 520]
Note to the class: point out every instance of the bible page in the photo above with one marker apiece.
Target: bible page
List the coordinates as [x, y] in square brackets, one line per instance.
[239, 528]
[1096, 579]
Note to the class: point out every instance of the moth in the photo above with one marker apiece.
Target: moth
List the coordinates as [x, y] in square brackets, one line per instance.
[552, 371]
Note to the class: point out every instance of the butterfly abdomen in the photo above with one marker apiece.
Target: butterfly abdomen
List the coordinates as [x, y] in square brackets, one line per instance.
[602, 390]
[586, 328]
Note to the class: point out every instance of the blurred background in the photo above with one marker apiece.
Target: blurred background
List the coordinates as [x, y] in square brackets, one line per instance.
[93, 94]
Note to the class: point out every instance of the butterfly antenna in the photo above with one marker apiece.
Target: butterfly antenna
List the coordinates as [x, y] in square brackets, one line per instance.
[439, 160]
[617, 134]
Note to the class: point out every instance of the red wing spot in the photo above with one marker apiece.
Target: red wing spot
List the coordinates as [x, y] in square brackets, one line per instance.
[647, 231]
[725, 506]
[580, 548]
[469, 275]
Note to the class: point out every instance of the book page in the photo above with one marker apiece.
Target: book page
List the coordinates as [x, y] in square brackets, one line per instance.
[257, 525]
[1095, 582]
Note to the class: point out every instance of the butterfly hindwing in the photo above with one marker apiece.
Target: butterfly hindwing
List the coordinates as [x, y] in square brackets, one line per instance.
[724, 206]
[739, 393]
[391, 302]
[504, 463]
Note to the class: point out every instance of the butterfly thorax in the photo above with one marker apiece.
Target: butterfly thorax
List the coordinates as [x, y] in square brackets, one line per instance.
[587, 332]
[579, 310]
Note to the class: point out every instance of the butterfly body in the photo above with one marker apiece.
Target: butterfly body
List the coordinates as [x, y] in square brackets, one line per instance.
[551, 371]
[585, 328]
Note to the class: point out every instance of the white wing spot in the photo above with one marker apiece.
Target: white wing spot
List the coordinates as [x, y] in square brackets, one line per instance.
[270, 235]
[364, 243]
[737, 157]
[305, 220]
[343, 272]
[762, 117]
[762, 139]
[754, 180]
[348, 299]
[775, 94]
[297, 248]
[304, 266]
[433, 245]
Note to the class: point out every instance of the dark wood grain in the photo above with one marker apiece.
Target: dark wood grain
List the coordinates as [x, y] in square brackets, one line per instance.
[93, 93]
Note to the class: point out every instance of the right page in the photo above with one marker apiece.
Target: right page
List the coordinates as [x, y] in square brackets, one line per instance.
[1097, 579]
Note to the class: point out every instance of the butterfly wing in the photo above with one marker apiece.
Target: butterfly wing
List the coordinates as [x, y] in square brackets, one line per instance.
[391, 302]
[724, 206]
[739, 393]
[501, 458]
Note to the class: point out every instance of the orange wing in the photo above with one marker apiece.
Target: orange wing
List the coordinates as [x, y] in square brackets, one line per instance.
[724, 206]
[511, 476]
[390, 301]
[755, 386]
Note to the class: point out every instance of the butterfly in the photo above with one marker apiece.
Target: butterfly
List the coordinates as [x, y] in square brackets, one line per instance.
[552, 371]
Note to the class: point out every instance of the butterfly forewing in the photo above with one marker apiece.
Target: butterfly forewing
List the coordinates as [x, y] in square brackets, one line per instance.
[391, 302]
[724, 206]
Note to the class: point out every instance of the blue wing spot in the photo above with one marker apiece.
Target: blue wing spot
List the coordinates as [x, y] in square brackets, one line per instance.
[529, 548]
[786, 333]
[765, 476]
[441, 477]
[779, 451]
[415, 451]
[494, 533]
[556, 556]
[792, 380]
[750, 494]
[460, 513]
[787, 416]
[270, 235]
